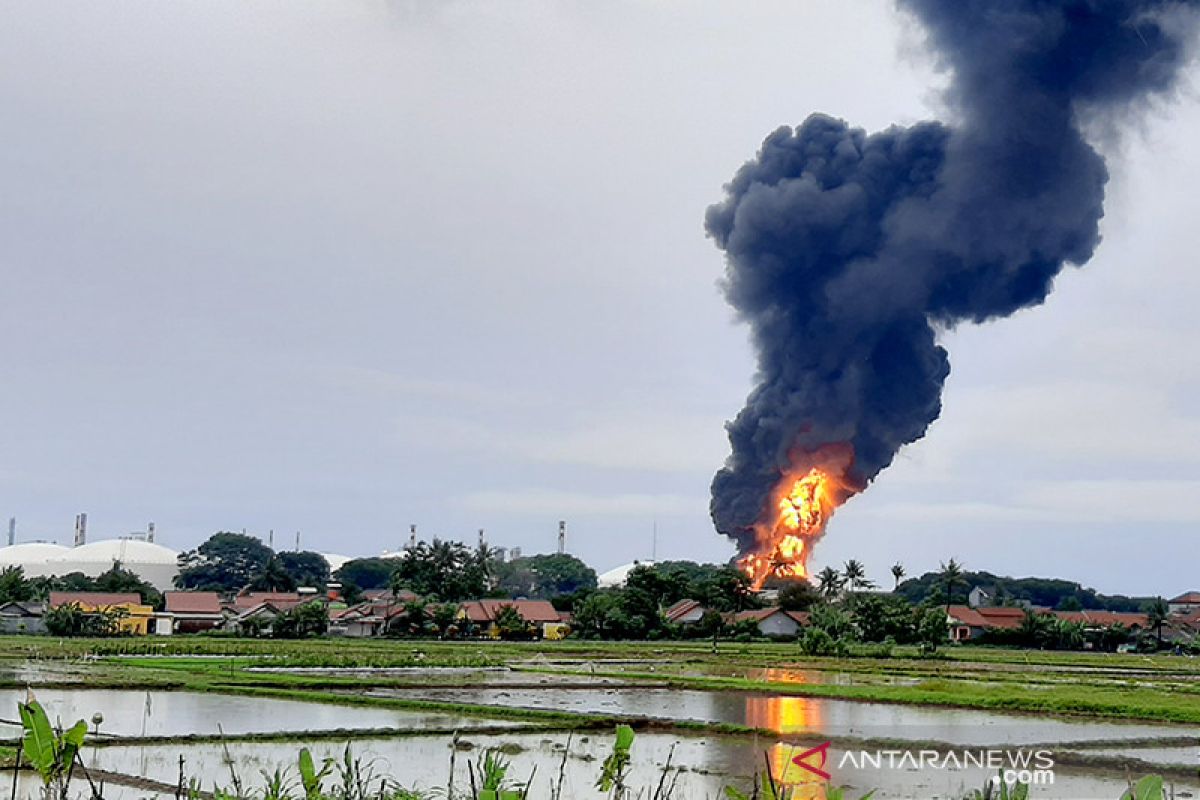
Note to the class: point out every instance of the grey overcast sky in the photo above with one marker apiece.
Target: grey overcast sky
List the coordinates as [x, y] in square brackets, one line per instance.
[340, 267]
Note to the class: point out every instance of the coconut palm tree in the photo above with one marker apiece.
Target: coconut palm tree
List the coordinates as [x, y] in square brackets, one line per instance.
[898, 572]
[829, 582]
[855, 576]
[950, 578]
[1157, 612]
[853, 573]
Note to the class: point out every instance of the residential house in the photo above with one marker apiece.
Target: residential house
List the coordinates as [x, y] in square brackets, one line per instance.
[365, 619]
[979, 597]
[966, 623]
[248, 600]
[258, 619]
[370, 617]
[773, 621]
[547, 622]
[1185, 603]
[18, 617]
[1008, 618]
[355, 621]
[1183, 628]
[193, 612]
[1098, 620]
[685, 612]
[135, 615]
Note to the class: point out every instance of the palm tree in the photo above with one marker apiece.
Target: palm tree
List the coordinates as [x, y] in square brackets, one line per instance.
[951, 577]
[897, 572]
[485, 557]
[855, 576]
[829, 582]
[1157, 612]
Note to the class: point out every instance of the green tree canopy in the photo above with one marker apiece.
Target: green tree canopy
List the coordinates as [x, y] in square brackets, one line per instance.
[718, 587]
[544, 576]
[14, 588]
[226, 562]
[302, 621]
[883, 616]
[1047, 592]
[120, 580]
[630, 613]
[1157, 612]
[273, 577]
[829, 582]
[69, 619]
[798, 596]
[446, 570]
[368, 573]
[950, 578]
[306, 567]
[511, 625]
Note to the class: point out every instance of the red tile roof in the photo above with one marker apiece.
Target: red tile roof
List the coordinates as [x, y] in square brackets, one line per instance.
[1104, 618]
[760, 614]
[1008, 618]
[1187, 597]
[965, 615]
[192, 602]
[530, 610]
[1005, 617]
[95, 599]
[681, 609]
[252, 599]
[277, 606]
[384, 595]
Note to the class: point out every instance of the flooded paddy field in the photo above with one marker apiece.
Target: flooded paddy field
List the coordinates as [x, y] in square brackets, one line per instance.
[813, 715]
[157, 713]
[699, 767]
[398, 702]
[447, 676]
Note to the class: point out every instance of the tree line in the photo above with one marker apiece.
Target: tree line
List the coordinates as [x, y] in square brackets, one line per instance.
[15, 587]
[1056, 593]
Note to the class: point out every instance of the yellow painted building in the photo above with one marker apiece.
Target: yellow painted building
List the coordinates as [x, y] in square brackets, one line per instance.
[135, 616]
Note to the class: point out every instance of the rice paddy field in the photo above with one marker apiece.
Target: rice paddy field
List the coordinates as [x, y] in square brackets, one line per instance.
[209, 712]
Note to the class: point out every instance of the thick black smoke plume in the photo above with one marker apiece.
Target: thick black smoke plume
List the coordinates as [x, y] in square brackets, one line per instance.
[847, 251]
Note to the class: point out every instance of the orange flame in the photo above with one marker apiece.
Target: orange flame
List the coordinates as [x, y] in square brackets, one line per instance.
[800, 507]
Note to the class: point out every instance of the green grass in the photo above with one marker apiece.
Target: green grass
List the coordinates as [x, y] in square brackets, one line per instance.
[1125, 703]
[1098, 685]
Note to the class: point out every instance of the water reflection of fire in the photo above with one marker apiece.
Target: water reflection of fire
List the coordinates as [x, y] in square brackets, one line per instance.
[783, 714]
[803, 784]
[781, 675]
[789, 715]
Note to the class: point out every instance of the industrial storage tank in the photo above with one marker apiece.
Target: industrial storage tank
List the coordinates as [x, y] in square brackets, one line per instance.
[615, 578]
[335, 561]
[33, 557]
[153, 563]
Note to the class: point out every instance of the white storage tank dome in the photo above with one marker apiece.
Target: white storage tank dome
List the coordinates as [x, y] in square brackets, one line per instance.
[33, 557]
[153, 563]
